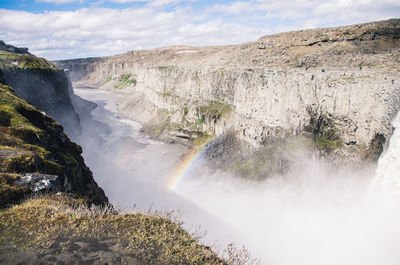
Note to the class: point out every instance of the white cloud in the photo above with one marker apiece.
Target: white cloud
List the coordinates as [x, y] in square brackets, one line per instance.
[99, 31]
[234, 8]
[128, 1]
[58, 2]
[299, 14]
[155, 3]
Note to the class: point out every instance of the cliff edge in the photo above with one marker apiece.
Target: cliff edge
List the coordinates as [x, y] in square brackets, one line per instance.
[338, 87]
[40, 83]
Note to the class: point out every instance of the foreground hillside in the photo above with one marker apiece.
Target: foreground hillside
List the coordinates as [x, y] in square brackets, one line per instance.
[61, 230]
[31, 142]
[51, 209]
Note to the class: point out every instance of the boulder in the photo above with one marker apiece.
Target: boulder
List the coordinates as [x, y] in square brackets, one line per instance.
[40, 182]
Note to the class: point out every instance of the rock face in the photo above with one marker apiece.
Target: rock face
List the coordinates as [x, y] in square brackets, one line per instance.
[337, 86]
[40, 182]
[31, 141]
[41, 84]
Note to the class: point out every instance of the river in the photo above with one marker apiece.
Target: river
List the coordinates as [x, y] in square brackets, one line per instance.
[311, 216]
[134, 169]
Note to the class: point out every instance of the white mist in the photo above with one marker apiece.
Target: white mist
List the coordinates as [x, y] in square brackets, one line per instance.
[312, 216]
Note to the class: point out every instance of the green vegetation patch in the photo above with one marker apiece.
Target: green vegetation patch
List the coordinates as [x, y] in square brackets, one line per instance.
[215, 109]
[165, 67]
[273, 158]
[202, 138]
[259, 164]
[31, 142]
[326, 145]
[108, 79]
[68, 157]
[325, 133]
[146, 238]
[124, 81]
[25, 61]
[11, 193]
[10, 117]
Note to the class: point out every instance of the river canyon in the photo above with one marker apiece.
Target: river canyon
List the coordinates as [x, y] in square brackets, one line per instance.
[288, 145]
[310, 215]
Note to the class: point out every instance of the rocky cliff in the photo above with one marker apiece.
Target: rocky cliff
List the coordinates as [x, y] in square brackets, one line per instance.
[40, 83]
[51, 209]
[339, 87]
[36, 155]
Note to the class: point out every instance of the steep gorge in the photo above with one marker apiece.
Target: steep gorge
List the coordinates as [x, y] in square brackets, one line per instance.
[40, 83]
[338, 87]
[51, 209]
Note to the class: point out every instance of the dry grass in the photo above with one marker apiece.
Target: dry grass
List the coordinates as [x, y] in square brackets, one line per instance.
[151, 239]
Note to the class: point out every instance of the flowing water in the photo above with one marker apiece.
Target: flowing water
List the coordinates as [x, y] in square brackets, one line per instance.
[388, 171]
[134, 169]
[312, 216]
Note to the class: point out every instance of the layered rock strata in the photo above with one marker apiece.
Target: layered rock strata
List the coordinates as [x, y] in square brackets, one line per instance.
[337, 86]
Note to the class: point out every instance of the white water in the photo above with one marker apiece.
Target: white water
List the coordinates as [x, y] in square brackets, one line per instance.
[133, 169]
[388, 171]
[313, 216]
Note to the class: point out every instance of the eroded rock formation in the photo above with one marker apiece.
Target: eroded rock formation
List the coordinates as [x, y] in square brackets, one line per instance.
[337, 86]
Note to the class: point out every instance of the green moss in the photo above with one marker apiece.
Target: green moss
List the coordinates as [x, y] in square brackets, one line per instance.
[12, 117]
[166, 94]
[215, 108]
[202, 138]
[375, 148]
[109, 78]
[165, 67]
[185, 110]
[68, 158]
[43, 153]
[25, 61]
[270, 159]
[10, 193]
[21, 163]
[27, 133]
[5, 116]
[258, 164]
[327, 145]
[124, 81]
[53, 168]
[156, 132]
[11, 106]
[163, 113]
[326, 135]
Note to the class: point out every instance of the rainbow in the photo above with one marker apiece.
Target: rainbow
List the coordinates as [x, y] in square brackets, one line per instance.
[184, 166]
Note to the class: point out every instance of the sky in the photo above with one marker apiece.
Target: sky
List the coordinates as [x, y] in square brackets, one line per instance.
[63, 29]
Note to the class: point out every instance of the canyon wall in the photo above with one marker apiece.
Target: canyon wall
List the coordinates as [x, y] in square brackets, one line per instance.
[337, 86]
[40, 83]
[35, 154]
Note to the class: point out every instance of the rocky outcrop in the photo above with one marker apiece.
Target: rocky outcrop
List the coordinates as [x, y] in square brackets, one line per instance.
[13, 49]
[41, 84]
[31, 141]
[40, 182]
[337, 86]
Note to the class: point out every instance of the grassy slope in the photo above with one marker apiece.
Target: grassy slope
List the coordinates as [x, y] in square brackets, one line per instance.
[17, 154]
[142, 238]
[47, 228]
[25, 61]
